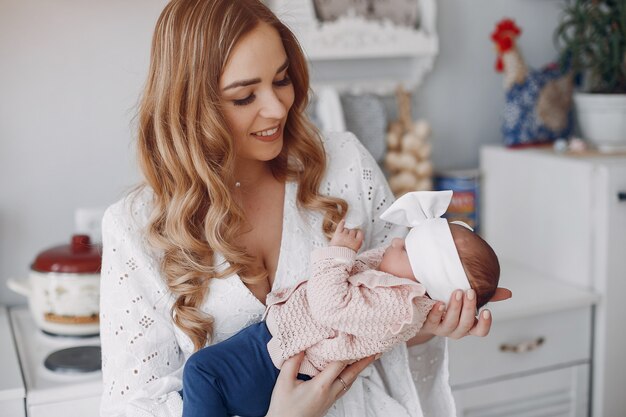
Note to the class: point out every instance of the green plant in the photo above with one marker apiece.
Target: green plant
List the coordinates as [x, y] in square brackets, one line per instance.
[591, 37]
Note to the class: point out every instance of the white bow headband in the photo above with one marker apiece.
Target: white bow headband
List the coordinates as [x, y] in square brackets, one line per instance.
[429, 244]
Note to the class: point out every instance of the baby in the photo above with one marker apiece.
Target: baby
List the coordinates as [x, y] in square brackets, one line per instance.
[351, 307]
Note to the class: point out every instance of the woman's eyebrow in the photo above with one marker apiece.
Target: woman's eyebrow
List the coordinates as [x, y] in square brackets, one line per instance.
[283, 66]
[245, 83]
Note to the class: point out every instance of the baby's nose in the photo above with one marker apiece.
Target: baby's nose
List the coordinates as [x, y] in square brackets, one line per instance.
[397, 242]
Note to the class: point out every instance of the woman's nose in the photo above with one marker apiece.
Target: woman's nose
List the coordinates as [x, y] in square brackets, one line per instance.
[273, 107]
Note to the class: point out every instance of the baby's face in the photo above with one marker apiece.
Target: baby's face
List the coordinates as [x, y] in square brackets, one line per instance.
[396, 261]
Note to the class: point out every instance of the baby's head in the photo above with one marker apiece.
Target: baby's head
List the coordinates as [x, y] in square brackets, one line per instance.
[479, 261]
[442, 256]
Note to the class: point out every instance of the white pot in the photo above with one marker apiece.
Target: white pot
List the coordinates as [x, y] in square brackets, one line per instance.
[602, 119]
[63, 288]
[62, 303]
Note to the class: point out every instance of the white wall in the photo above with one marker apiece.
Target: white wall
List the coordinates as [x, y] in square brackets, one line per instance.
[70, 75]
[71, 72]
[462, 96]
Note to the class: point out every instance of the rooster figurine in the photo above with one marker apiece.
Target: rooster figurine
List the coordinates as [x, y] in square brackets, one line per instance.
[538, 106]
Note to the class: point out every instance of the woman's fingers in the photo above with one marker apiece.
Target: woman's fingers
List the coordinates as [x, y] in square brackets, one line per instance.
[451, 318]
[327, 377]
[352, 371]
[338, 378]
[348, 375]
[483, 324]
[468, 315]
[434, 318]
[289, 370]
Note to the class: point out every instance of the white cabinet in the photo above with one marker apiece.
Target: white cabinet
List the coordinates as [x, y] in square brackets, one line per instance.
[536, 359]
[564, 216]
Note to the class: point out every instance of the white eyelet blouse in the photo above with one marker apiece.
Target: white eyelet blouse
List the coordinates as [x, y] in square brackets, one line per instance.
[143, 352]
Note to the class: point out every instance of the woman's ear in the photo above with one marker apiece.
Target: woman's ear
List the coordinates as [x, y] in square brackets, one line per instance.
[501, 294]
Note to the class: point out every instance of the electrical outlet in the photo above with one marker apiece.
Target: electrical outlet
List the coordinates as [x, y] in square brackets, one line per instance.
[88, 221]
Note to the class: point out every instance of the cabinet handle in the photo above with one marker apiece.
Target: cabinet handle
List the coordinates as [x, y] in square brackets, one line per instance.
[621, 195]
[523, 347]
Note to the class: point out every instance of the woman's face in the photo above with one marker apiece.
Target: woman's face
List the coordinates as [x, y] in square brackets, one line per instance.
[256, 94]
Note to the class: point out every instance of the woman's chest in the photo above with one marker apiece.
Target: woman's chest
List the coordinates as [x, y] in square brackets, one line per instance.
[263, 242]
[262, 235]
[231, 303]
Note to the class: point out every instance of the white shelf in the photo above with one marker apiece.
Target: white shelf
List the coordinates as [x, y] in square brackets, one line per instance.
[363, 56]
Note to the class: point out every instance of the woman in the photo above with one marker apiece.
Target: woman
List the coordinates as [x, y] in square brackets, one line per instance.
[239, 189]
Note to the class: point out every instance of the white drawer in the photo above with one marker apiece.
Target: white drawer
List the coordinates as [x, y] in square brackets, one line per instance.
[556, 393]
[82, 407]
[566, 337]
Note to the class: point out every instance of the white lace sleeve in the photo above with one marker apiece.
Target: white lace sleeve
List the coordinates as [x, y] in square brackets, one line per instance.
[141, 359]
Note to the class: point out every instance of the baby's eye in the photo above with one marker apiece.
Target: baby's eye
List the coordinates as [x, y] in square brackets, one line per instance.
[244, 101]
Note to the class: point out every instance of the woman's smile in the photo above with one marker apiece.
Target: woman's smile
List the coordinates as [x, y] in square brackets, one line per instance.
[268, 135]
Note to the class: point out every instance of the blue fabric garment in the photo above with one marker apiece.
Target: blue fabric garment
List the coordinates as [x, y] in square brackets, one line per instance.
[234, 377]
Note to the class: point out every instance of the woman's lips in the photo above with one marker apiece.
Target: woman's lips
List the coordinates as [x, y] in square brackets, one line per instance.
[268, 135]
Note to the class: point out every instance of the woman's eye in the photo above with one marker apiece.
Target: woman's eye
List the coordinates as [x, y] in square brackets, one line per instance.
[244, 101]
[281, 83]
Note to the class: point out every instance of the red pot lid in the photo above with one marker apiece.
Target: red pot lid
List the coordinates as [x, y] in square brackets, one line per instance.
[79, 257]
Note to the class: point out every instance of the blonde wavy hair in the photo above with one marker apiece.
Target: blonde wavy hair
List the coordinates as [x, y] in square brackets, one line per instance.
[186, 151]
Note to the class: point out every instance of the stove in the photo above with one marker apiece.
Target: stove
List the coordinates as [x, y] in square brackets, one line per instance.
[66, 391]
[12, 392]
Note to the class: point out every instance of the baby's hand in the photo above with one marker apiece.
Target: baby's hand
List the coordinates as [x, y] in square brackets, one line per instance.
[348, 238]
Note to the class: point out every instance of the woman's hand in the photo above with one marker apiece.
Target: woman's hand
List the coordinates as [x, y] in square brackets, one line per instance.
[458, 320]
[294, 398]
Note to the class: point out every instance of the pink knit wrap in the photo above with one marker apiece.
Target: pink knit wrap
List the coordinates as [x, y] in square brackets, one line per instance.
[346, 311]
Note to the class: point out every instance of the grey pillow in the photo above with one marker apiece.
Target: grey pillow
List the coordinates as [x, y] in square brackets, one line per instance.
[366, 117]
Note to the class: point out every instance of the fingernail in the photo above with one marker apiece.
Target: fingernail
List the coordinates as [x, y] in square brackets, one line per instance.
[378, 356]
[486, 314]
[442, 308]
[471, 294]
[458, 295]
